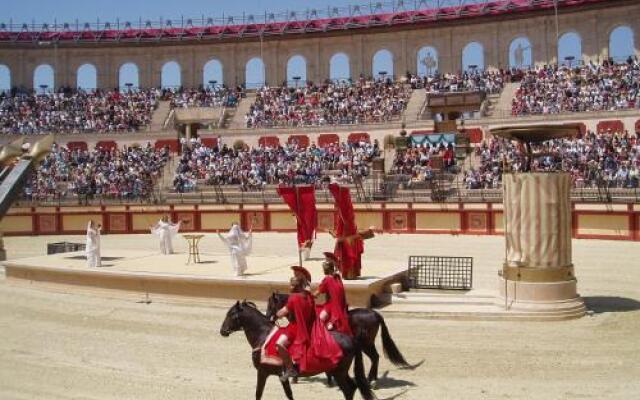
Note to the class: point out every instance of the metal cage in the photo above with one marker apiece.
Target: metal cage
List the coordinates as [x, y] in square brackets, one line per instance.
[439, 272]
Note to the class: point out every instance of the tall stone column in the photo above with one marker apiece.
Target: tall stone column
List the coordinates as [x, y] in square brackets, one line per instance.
[538, 274]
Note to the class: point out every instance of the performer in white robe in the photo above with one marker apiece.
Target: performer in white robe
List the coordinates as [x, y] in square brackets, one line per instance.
[166, 231]
[239, 244]
[92, 248]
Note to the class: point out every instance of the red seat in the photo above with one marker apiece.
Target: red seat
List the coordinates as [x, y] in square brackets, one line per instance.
[301, 140]
[107, 145]
[614, 125]
[173, 144]
[209, 142]
[358, 137]
[327, 139]
[77, 146]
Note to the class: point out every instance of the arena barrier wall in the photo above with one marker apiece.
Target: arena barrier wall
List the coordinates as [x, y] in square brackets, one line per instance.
[590, 220]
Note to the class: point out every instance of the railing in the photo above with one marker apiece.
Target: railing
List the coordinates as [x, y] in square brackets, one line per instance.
[444, 8]
[235, 196]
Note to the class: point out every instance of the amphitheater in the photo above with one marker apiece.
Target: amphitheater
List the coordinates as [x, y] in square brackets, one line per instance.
[192, 97]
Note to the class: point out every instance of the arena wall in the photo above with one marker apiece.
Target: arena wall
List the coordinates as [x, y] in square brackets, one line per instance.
[590, 220]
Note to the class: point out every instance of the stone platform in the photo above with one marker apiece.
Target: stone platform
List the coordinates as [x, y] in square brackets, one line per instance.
[147, 272]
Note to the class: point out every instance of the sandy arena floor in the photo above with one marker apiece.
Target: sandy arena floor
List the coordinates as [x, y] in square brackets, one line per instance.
[59, 345]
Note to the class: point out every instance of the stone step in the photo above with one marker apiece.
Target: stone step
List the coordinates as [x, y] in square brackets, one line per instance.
[479, 312]
[430, 299]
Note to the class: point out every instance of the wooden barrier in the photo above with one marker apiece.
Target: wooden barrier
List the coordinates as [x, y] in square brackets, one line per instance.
[590, 220]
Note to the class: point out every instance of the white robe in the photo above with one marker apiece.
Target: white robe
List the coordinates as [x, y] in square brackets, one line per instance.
[239, 244]
[92, 249]
[166, 231]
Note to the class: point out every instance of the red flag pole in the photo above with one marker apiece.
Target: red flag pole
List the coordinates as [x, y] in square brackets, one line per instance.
[298, 222]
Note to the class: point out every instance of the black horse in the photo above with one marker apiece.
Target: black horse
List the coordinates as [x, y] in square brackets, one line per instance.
[245, 316]
[365, 324]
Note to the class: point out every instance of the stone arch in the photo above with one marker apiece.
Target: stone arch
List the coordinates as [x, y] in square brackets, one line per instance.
[570, 48]
[621, 43]
[5, 78]
[254, 73]
[87, 77]
[427, 61]
[473, 56]
[296, 70]
[520, 52]
[213, 73]
[382, 64]
[171, 75]
[339, 68]
[128, 76]
[44, 78]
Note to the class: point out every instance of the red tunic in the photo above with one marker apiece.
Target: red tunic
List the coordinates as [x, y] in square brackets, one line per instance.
[301, 316]
[336, 305]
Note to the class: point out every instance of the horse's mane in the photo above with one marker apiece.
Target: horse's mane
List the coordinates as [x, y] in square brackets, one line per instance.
[252, 306]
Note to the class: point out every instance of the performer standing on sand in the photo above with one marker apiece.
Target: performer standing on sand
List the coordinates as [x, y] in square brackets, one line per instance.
[92, 248]
[239, 244]
[334, 312]
[349, 242]
[166, 231]
[302, 201]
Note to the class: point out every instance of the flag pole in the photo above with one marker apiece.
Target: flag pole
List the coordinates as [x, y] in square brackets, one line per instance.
[297, 221]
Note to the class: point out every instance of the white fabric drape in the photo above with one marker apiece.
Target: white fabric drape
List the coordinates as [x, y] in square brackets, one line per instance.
[166, 231]
[92, 249]
[239, 244]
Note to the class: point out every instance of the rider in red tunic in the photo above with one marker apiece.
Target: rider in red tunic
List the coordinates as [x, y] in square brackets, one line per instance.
[334, 312]
[293, 343]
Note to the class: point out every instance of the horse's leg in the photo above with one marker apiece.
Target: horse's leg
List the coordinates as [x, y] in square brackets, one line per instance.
[262, 380]
[287, 389]
[370, 350]
[329, 380]
[346, 384]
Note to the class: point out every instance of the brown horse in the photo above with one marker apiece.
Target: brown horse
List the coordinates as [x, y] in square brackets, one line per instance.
[256, 326]
[365, 324]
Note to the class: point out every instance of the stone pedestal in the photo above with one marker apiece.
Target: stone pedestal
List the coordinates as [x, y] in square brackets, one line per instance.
[538, 274]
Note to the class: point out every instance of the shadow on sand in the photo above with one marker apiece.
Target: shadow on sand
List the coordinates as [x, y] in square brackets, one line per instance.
[610, 304]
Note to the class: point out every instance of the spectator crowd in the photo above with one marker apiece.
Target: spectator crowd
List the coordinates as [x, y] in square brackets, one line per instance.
[253, 168]
[331, 103]
[76, 111]
[129, 173]
[202, 97]
[592, 87]
[489, 82]
[606, 159]
[418, 163]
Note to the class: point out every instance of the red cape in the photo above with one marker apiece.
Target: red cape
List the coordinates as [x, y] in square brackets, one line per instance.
[304, 207]
[336, 305]
[314, 348]
[349, 253]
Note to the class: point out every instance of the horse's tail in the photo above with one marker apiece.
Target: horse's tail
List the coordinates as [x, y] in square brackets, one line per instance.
[361, 380]
[391, 351]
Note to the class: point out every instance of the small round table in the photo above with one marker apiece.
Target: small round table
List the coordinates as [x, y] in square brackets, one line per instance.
[194, 253]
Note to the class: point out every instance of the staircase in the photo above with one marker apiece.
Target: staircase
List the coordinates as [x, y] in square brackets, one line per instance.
[159, 116]
[237, 119]
[501, 106]
[415, 105]
[474, 305]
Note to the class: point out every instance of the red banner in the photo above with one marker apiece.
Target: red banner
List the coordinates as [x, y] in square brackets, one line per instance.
[349, 246]
[302, 201]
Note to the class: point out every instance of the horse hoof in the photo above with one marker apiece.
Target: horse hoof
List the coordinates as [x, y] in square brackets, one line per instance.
[373, 384]
[294, 380]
